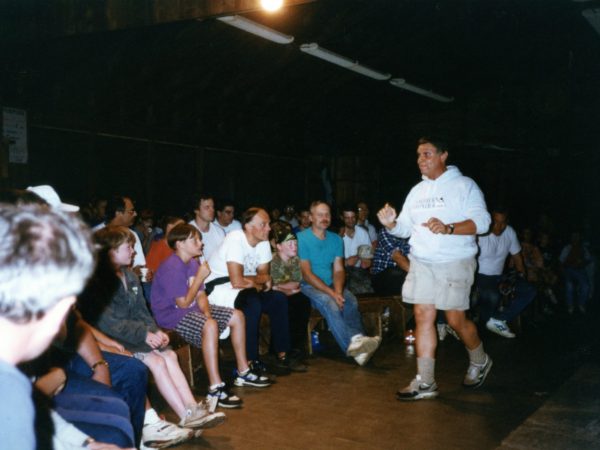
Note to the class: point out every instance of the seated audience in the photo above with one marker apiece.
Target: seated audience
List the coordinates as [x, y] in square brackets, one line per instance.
[574, 258]
[303, 221]
[287, 275]
[226, 216]
[124, 317]
[45, 260]
[390, 264]
[321, 255]
[289, 215]
[358, 254]
[494, 247]
[159, 249]
[363, 221]
[204, 216]
[240, 276]
[179, 303]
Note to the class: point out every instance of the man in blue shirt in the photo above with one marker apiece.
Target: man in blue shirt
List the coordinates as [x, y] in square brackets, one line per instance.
[322, 262]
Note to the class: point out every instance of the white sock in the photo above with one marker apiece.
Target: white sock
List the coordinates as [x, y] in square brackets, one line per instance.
[150, 417]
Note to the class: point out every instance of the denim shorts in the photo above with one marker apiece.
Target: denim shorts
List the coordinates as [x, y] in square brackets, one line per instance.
[445, 285]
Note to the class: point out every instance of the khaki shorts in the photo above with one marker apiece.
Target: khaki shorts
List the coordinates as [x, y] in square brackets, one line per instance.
[445, 285]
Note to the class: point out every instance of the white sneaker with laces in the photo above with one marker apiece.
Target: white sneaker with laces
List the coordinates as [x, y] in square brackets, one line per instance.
[162, 434]
[499, 327]
[199, 416]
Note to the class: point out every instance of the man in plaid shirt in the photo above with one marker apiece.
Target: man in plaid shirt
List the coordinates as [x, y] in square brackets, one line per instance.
[390, 264]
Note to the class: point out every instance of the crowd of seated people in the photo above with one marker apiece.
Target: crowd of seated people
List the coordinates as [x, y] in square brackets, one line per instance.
[208, 276]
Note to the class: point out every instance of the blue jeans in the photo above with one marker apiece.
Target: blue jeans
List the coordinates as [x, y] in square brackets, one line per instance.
[129, 378]
[344, 323]
[489, 298]
[576, 280]
[275, 305]
[105, 418]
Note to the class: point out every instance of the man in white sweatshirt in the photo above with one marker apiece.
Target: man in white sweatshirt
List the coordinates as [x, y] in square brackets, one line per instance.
[442, 214]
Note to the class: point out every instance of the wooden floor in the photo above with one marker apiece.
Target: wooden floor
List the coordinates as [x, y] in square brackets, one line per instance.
[338, 405]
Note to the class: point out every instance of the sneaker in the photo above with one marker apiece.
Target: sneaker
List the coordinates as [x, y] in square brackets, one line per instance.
[291, 364]
[162, 434]
[570, 309]
[442, 331]
[581, 309]
[417, 390]
[363, 358]
[363, 344]
[251, 379]
[201, 417]
[222, 398]
[477, 373]
[499, 327]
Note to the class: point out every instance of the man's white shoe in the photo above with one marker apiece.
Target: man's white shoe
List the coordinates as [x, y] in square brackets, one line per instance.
[499, 327]
[162, 434]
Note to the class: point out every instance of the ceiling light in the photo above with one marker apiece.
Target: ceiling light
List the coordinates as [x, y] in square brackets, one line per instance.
[271, 5]
[257, 29]
[347, 63]
[401, 83]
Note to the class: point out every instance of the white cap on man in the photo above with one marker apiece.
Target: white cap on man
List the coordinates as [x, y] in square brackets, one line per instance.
[51, 197]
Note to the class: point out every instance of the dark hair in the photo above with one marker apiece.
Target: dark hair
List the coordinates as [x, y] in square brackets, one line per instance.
[199, 196]
[500, 209]
[180, 233]
[114, 204]
[222, 203]
[348, 207]
[440, 145]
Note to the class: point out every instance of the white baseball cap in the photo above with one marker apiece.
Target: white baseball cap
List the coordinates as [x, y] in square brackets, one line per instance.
[51, 197]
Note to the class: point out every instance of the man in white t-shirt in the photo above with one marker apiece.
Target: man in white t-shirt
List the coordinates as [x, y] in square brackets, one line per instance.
[242, 264]
[204, 214]
[120, 211]
[494, 247]
[358, 254]
[225, 216]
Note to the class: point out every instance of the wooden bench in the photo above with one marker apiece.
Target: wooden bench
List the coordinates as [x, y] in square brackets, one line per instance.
[371, 307]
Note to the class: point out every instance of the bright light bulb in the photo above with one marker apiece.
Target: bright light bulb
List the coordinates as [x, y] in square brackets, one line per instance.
[271, 5]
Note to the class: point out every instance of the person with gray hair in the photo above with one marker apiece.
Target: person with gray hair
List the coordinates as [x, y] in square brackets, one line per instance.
[45, 259]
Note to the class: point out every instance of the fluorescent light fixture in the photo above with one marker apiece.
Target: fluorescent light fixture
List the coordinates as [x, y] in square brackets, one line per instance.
[257, 29]
[271, 5]
[402, 84]
[593, 17]
[347, 63]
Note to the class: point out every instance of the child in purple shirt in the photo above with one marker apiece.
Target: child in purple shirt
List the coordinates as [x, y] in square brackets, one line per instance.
[179, 302]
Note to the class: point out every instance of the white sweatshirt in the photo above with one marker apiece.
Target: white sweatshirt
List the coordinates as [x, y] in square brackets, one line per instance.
[450, 198]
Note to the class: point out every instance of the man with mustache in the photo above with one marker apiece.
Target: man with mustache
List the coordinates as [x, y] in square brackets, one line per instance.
[322, 262]
[441, 215]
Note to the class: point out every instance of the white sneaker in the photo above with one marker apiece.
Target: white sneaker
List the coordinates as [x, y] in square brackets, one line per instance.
[363, 344]
[162, 434]
[499, 327]
[200, 417]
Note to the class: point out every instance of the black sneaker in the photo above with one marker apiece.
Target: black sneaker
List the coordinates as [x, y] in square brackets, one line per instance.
[251, 379]
[291, 364]
[222, 398]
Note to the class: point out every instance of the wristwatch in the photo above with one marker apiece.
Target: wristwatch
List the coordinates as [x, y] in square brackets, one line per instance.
[451, 226]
